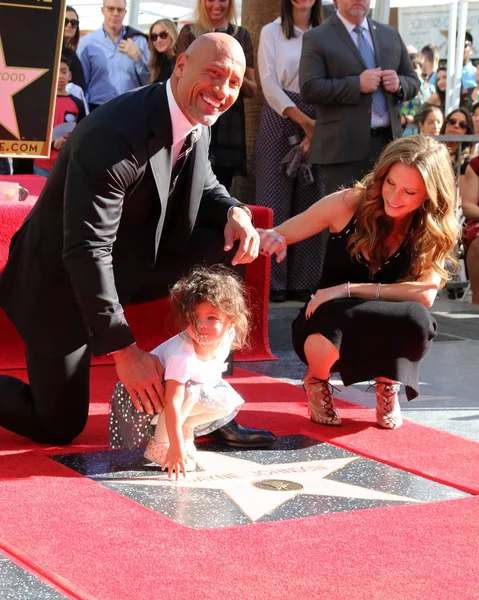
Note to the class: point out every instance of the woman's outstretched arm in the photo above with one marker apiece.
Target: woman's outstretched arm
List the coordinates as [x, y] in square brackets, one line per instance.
[333, 212]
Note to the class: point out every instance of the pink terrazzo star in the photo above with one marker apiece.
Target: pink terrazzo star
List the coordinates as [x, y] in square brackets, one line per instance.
[12, 80]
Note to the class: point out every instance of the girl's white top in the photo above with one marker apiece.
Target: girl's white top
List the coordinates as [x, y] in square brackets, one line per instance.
[178, 357]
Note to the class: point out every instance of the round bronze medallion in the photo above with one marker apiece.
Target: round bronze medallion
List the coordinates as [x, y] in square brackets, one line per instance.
[277, 485]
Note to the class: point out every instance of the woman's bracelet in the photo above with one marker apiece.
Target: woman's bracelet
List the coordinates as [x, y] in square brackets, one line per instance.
[378, 291]
[349, 289]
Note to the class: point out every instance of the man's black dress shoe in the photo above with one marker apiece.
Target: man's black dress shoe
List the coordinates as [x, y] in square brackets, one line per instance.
[235, 435]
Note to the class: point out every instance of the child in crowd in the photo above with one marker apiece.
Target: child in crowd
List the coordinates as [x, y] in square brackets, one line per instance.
[211, 310]
[69, 110]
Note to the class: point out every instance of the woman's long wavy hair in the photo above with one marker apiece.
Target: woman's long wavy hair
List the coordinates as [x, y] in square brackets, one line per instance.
[435, 228]
[219, 286]
[201, 21]
[73, 43]
[287, 21]
[157, 59]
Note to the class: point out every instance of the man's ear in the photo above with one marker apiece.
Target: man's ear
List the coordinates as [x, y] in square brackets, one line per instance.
[180, 64]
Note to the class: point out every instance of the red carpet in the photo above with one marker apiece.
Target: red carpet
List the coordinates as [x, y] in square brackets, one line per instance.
[92, 543]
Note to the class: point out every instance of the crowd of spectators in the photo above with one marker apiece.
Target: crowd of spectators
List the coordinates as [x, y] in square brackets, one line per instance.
[117, 58]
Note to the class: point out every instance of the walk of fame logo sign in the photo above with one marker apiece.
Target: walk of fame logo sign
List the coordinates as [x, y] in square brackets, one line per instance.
[300, 477]
[31, 33]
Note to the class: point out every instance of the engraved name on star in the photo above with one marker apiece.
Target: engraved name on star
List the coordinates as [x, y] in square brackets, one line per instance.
[236, 478]
[12, 80]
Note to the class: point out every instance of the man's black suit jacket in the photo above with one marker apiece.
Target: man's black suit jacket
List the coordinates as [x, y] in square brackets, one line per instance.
[98, 226]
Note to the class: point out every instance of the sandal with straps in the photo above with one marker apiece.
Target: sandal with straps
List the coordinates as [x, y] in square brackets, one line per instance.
[388, 411]
[320, 400]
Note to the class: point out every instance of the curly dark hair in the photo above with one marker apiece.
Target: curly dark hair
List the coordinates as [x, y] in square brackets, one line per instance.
[219, 286]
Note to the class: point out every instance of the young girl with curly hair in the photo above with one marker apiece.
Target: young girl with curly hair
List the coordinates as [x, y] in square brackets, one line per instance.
[212, 315]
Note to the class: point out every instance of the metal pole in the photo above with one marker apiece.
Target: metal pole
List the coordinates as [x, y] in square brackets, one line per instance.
[133, 12]
[381, 11]
[461, 37]
[452, 99]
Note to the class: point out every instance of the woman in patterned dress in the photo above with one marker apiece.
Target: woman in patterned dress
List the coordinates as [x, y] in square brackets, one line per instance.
[287, 125]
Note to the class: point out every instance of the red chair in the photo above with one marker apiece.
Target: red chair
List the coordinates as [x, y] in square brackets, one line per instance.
[151, 322]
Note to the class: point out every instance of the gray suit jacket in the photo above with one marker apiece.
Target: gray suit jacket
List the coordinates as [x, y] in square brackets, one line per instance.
[99, 225]
[329, 78]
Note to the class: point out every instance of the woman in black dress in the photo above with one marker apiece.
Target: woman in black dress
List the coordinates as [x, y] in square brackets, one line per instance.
[162, 43]
[390, 238]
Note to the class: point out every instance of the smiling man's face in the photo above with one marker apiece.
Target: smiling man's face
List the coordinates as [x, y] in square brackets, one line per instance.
[209, 77]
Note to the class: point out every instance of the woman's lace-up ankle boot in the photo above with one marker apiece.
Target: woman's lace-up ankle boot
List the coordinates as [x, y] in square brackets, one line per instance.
[320, 399]
[388, 411]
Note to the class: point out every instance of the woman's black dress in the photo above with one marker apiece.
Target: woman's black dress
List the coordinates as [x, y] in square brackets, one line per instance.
[375, 338]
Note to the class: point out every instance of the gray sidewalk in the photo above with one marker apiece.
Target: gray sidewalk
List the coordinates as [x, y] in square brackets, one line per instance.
[449, 376]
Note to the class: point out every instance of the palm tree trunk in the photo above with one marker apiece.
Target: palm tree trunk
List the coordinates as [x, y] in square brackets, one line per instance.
[255, 14]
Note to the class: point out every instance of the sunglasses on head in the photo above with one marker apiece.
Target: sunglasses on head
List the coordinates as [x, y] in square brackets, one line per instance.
[163, 35]
[454, 121]
[72, 22]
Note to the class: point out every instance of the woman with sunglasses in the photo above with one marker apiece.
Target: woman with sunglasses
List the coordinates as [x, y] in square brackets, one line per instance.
[459, 122]
[71, 37]
[162, 43]
[228, 135]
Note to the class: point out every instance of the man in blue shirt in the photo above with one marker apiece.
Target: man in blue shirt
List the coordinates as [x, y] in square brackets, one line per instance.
[114, 57]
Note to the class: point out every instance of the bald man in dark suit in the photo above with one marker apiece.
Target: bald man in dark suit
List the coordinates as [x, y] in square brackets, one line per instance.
[130, 206]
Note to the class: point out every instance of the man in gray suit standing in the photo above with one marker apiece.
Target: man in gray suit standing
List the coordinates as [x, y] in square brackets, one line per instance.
[356, 71]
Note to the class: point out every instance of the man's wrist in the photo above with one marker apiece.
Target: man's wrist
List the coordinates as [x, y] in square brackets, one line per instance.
[246, 209]
[400, 92]
[121, 351]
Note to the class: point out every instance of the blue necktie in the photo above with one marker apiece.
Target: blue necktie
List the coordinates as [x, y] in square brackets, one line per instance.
[380, 103]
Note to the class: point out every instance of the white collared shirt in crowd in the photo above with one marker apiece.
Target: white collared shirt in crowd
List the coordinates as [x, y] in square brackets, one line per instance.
[278, 65]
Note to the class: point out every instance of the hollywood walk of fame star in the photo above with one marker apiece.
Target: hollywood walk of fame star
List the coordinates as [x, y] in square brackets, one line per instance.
[236, 477]
[12, 80]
